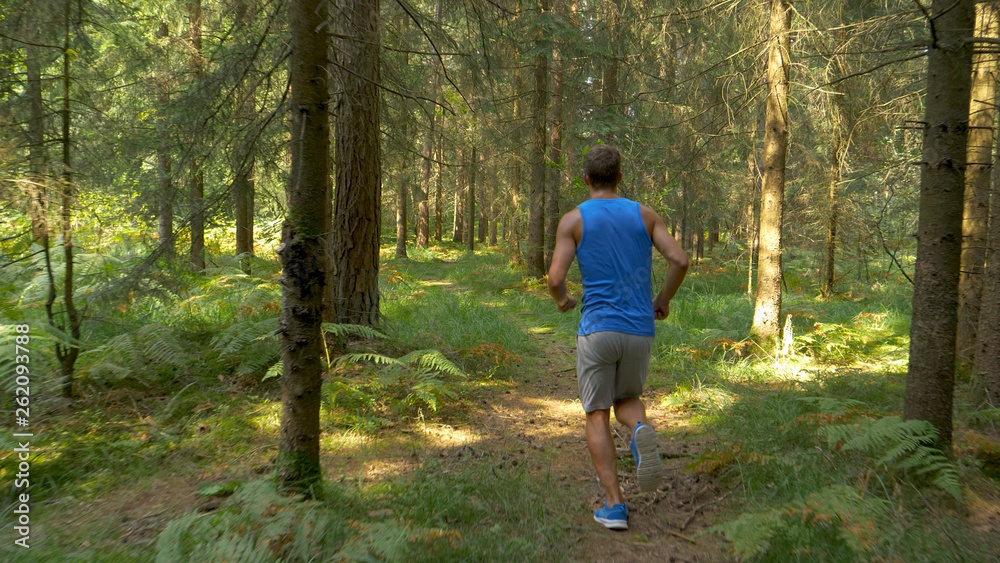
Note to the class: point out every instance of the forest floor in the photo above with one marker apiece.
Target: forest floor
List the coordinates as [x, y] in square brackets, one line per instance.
[501, 469]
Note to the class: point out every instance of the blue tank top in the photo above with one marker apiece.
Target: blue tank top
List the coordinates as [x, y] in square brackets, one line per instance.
[615, 257]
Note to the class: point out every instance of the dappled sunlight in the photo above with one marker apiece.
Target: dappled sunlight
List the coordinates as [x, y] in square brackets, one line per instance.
[266, 418]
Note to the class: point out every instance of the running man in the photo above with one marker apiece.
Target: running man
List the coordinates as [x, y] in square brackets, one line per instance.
[613, 237]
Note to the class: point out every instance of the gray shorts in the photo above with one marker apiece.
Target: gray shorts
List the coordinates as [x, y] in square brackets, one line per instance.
[611, 366]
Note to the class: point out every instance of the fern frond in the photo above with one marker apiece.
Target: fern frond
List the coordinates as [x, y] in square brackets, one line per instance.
[371, 357]
[832, 405]
[901, 445]
[337, 329]
[432, 360]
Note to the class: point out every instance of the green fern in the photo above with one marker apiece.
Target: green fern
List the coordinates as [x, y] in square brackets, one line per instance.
[341, 330]
[901, 445]
[831, 405]
[249, 346]
[152, 349]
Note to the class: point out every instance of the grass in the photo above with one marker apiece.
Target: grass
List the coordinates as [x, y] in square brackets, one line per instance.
[173, 399]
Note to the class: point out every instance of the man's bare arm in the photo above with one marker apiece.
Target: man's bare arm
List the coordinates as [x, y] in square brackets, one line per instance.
[562, 257]
[675, 256]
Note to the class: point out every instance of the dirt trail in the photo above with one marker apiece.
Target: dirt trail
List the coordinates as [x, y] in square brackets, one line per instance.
[544, 413]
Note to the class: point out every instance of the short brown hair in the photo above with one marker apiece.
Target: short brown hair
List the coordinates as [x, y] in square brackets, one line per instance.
[602, 164]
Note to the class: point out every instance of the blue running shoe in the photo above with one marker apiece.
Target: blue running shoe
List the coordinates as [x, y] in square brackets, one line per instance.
[649, 468]
[615, 518]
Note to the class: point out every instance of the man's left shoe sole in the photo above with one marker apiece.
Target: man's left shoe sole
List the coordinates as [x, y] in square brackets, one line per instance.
[612, 524]
[650, 469]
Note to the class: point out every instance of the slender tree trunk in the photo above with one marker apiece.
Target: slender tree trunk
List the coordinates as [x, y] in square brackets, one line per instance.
[987, 360]
[470, 203]
[458, 232]
[243, 165]
[37, 198]
[536, 211]
[977, 181]
[931, 377]
[303, 258]
[838, 150]
[359, 182]
[165, 193]
[438, 190]
[402, 187]
[197, 180]
[609, 78]
[767, 310]
[67, 353]
[557, 171]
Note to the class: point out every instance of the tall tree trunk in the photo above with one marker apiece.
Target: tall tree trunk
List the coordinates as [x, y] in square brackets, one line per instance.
[67, 353]
[423, 211]
[558, 170]
[458, 232]
[977, 181]
[303, 258]
[931, 376]
[438, 189]
[987, 360]
[37, 198]
[470, 202]
[359, 164]
[243, 165]
[197, 180]
[609, 78]
[838, 151]
[536, 211]
[767, 309]
[402, 186]
[165, 193]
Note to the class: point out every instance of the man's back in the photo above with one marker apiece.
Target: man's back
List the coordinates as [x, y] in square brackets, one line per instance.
[615, 257]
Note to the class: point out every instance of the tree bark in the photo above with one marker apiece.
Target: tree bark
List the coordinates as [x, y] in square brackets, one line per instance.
[37, 197]
[67, 353]
[536, 211]
[977, 181]
[470, 203]
[767, 309]
[196, 186]
[165, 193]
[303, 258]
[931, 376]
[838, 151]
[243, 166]
[987, 359]
[359, 163]
[558, 170]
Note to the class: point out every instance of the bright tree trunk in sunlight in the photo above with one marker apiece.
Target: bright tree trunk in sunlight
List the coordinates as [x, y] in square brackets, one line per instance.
[931, 376]
[977, 181]
[767, 310]
[303, 256]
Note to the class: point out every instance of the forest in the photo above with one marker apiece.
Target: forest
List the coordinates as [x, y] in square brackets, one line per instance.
[273, 278]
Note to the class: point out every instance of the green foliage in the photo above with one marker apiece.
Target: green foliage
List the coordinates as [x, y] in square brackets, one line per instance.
[900, 445]
[249, 346]
[836, 523]
[405, 386]
[154, 352]
[256, 524]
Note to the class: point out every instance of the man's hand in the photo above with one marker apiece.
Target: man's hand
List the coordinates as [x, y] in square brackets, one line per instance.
[566, 305]
[661, 308]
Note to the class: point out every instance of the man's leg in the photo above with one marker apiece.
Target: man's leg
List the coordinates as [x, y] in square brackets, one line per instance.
[630, 412]
[603, 454]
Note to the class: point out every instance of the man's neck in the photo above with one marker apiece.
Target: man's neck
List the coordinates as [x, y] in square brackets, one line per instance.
[604, 193]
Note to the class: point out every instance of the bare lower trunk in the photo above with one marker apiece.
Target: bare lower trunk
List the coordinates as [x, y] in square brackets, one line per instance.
[303, 257]
[356, 226]
[931, 376]
[767, 309]
[536, 211]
